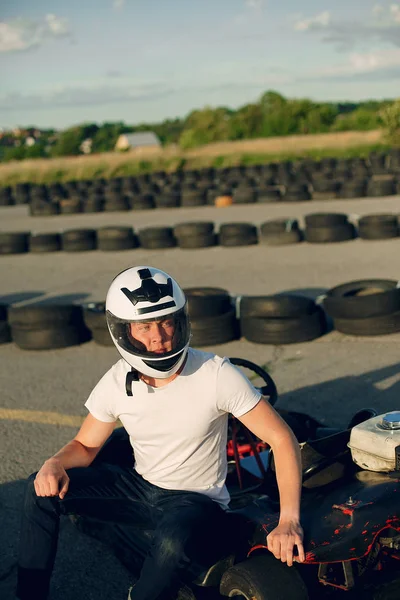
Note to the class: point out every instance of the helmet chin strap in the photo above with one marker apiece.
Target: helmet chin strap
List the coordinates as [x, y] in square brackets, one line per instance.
[132, 376]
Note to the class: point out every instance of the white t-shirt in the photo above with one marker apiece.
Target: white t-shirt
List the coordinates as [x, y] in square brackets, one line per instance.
[178, 432]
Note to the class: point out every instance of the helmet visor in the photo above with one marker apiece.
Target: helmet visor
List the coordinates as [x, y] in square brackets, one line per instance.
[151, 338]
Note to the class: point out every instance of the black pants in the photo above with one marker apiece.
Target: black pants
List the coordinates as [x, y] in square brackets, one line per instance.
[180, 529]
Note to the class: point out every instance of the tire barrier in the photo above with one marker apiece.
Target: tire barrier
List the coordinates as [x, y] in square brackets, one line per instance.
[212, 316]
[281, 319]
[358, 308]
[328, 227]
[365, 307]
[290, 181]
[45, 327]
[319, 228]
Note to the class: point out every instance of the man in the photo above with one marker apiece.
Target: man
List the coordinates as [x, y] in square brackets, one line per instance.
[174, 403]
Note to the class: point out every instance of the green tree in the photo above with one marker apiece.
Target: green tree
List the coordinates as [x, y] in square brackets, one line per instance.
[69, 141]
[390, 116]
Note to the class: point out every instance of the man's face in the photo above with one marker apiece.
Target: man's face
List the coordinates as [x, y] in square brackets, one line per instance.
[155, 335]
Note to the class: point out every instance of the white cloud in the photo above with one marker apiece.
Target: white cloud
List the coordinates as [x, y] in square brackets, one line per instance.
[22, 34]
[118, 4]
[255, 4]
[378, 9]
[395, 12]
[369, 62]
[318, 22]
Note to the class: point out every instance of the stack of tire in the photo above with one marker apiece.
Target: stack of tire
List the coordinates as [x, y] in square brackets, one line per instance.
[157, 237]
[47, 326]
[14, 242]
[212, 316]
[281, 319]
[321, 228]
[5, 333]
[195, 234]
[381, 185]
[116, 238]
[95, 320]
[365, 307]
[238, 234]
[378, 227]
[280, 232]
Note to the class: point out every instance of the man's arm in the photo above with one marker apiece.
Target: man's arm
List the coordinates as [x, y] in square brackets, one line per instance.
[267, 425]
[52, 479]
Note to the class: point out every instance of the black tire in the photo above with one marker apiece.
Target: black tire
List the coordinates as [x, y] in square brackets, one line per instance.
[78, 240]
[5, 332]
[279, 306]
[323, 235]
[168, 201]
[263, 578]
[44, 316]
[102, 337]
[116, 238]
[281, 239]
[156, 243]
[375, 233]
[279, 226]
[48, 339]
[267, 195]
[195, 198]
[200, 228]
[207, 302]
[378, 220]
[325, 219]
[284, 331]
[382, 325]
[69, 206]
[94, 315]
[385, 187]
[14, 242]
[219, 329]
[44, 242]
[198, 241]
[380, 297]
[351, 190]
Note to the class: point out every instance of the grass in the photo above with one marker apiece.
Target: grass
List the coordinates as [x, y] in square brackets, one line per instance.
[218, 155]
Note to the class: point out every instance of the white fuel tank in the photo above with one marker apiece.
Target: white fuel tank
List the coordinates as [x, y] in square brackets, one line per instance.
[375, 443]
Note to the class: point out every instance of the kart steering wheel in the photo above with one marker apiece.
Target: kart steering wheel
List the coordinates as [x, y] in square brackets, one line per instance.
[269, 389]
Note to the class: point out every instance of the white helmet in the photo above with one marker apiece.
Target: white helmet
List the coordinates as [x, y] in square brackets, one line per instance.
[143, 294]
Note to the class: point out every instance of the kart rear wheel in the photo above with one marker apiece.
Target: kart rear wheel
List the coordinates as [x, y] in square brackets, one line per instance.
[263, 578]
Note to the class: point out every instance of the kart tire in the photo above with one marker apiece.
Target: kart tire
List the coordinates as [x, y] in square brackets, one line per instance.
[5, 332]
[279, 331]
[219, 329]
[199, 228]
[44, 242]
[207, 301]
[49, 339]
[382, 325]
[102, 336]
[284, 238]
[197, 241]
[341, 301]
[44, 316]
[263, 578]
[279, 306]
[324, 235]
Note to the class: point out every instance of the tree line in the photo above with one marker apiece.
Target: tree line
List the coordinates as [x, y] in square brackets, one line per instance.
[271, 115]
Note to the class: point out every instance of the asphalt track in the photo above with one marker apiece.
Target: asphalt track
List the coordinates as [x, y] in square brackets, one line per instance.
[42, 393]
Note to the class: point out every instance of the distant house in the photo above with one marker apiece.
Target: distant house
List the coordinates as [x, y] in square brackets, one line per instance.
[135, 141]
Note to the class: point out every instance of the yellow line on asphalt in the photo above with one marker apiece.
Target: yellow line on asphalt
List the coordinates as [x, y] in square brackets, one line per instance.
[38, 416]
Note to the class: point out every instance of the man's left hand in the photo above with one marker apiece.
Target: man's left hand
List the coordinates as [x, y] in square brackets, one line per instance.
[282, 540]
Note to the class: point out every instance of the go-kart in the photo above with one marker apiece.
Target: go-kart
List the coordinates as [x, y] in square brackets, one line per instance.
[350, 514]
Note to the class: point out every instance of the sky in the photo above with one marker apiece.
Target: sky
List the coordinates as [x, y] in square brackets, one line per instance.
[69, 62]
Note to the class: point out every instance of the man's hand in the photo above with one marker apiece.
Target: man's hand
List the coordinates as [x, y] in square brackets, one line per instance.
[52, 479]
[282, 540]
